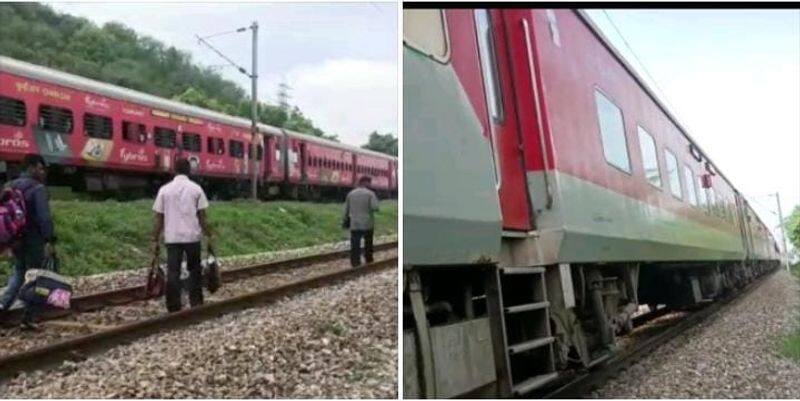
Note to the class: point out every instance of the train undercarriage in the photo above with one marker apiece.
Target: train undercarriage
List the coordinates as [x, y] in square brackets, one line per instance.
[506, 331]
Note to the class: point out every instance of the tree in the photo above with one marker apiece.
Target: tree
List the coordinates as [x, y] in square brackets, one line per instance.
[791, 225]
[116, 54]
[386, 143]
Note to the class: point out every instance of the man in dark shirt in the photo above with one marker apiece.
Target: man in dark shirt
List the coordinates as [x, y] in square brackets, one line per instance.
[359, 209]
[37, 237]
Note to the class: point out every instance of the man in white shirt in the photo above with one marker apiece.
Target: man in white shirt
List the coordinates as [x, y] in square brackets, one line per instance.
[180, 213]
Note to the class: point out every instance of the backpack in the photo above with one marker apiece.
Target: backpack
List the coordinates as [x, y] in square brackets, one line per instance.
[13, 216]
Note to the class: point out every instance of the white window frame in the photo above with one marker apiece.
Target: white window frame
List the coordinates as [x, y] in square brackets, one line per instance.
[691, 190]
[442, 58]
[667, 154]
[644, 134]
[626, 169]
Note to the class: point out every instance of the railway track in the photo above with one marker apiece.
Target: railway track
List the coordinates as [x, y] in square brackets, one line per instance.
[126, 295]
[581, 384]
[79, 348]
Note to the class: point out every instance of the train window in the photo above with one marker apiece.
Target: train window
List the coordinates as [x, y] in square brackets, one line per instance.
[236, 149]
[674, 175]
[488, 58]
[165, 137]
[701, 192]
[649, 158]
[191, 142]
[215, 146]
[259, 151]
[134, 132]
[688, 176]
[12, 112]
[612, 132]
[95, 126]
[425, 31]
[57, 119]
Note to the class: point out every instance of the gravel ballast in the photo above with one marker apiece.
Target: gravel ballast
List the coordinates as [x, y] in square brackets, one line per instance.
[15, 339]
[733, 355]
[337, 341]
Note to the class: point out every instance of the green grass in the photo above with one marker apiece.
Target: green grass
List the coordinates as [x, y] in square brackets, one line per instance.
[790, 344]
[97, 237]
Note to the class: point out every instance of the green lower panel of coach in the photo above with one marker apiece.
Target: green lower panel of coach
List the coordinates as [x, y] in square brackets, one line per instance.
[589, 223]
[451, 213]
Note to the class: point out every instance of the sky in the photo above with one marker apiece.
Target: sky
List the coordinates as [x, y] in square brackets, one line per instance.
[732, 78]
[340, 59]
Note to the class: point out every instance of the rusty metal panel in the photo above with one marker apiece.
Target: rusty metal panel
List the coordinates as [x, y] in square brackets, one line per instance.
[462, 357]
[410, 372]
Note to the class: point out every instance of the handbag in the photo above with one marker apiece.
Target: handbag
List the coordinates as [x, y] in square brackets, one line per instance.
[346, 222]
[156, 279]
[46, 287]
[211, 271]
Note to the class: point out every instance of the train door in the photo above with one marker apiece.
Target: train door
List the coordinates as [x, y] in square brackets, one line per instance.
[303, 172]
[268, 155]
[496, 68]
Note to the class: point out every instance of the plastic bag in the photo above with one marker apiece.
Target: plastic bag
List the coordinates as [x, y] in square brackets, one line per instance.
[211, 272]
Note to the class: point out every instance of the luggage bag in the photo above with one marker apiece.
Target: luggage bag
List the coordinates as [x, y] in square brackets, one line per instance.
[46, 287]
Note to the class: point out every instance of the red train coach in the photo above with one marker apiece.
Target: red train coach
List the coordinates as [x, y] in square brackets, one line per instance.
[601, 203]
[103, 137]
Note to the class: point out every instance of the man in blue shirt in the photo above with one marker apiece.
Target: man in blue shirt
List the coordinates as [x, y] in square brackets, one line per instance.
[37, 237]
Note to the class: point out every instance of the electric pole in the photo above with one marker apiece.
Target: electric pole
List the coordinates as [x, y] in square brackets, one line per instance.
[253, 75]
[254, 130]
[785, 257]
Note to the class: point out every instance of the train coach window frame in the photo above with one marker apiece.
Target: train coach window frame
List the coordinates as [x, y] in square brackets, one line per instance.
[215, 146]
[138, 135]
[236, 148]
[487, 55]
[165, 138]
[647, 146]
[671, 164]
[56, 119]
[259, 151]
[13, 112]
[97, 126]
[701, 192]
[611, 124]
[191, 142]
[425, 30]
[690, 187]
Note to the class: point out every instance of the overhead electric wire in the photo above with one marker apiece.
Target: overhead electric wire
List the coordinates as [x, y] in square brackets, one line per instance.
[231, 62]
[638, 60]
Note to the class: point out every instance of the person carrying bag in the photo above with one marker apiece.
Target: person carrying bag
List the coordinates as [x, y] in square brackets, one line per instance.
[180, 214]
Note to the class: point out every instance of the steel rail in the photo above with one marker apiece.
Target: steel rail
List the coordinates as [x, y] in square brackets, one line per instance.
[79, 348]
[126, 295]
[586, 381]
